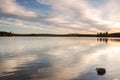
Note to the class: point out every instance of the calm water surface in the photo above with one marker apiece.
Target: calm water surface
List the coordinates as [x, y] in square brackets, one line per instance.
[47, 58]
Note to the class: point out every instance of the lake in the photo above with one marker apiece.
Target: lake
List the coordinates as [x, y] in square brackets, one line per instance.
[59, 58]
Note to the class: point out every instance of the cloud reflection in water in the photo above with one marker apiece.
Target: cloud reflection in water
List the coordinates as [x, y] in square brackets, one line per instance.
[58, 59]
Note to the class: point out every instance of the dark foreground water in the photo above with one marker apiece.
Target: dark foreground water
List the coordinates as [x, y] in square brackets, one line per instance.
[47, 58]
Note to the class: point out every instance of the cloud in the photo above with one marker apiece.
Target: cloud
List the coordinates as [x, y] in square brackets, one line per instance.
[27, 25]
[17, 23]
[84, 14]
[10, 7]
[76, 12]
[75, 16]
[97, 3]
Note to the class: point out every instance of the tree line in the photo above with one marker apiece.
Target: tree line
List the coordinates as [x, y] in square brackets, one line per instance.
[2, 33]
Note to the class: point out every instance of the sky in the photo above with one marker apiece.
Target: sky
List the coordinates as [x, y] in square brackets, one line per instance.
[60, 16]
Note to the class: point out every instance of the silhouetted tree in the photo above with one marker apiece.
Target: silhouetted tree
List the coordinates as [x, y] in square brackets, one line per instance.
[106, 32]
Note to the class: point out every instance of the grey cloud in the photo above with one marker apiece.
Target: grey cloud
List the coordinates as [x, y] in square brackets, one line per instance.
[97, 3]
[10, 7]
[65, 14]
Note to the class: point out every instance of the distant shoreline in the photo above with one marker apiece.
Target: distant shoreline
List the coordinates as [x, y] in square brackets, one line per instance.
[10, 34]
